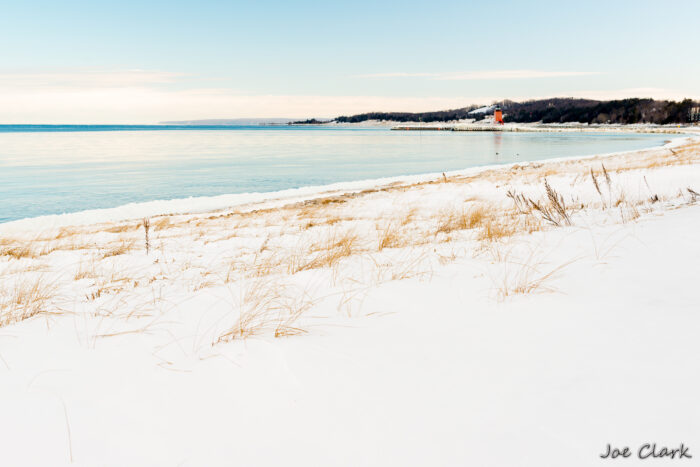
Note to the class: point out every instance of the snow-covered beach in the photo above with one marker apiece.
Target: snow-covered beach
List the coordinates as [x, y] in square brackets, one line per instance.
[527, 314]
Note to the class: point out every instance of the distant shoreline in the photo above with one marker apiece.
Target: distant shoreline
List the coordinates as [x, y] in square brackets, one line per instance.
[552, 128]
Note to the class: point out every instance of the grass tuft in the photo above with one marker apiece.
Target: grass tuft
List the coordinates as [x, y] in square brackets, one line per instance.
[27, 298]
[18, 252]
[495, 229]
[264, 306]
[327, 253]
[388, 237]
[522, 277]
[555, 211]
[119, 249]
[450, 221]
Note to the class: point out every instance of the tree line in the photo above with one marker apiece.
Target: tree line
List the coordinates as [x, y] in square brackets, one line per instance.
[556, 110]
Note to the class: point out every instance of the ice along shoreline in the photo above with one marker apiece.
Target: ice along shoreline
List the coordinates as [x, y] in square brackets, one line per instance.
[264, 200]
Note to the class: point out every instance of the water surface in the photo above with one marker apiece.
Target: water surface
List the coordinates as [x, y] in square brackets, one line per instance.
[61, 169]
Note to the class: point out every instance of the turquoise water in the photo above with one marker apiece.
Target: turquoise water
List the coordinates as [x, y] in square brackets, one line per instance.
[60, 169]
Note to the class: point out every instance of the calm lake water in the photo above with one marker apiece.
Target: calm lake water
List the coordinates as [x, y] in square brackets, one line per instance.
[53, 170]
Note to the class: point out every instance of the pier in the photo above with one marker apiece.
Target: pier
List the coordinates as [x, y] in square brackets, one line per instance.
[555, 129]
[459, 128]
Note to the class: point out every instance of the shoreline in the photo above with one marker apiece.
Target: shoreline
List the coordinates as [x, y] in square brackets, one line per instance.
[253, 200]
[422, 288]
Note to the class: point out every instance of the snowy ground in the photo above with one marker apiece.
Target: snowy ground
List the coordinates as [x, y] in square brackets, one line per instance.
[471, 319]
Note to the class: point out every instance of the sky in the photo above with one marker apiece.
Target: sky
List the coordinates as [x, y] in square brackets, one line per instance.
[150, 61]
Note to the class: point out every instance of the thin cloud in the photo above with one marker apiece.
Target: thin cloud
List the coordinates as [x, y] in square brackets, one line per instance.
[398, 75]
[86, 79]
[483, 75]
[143, 96]
[155, 104]
[654, 93]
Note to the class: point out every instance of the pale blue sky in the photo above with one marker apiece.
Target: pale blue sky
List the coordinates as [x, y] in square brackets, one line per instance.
[135, 61]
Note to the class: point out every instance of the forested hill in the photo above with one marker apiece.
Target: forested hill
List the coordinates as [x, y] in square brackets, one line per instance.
[557, 110]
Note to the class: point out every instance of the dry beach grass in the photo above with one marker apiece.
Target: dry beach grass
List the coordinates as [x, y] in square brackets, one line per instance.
[251, 253]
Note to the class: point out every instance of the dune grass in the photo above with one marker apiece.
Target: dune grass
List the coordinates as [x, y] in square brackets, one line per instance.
[325, 234]
[264, 306]
[26, 298]
[120, 248]
[388, 236]
[325, 253]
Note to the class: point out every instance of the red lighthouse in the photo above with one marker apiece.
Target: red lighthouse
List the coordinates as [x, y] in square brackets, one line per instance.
[497, 115]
